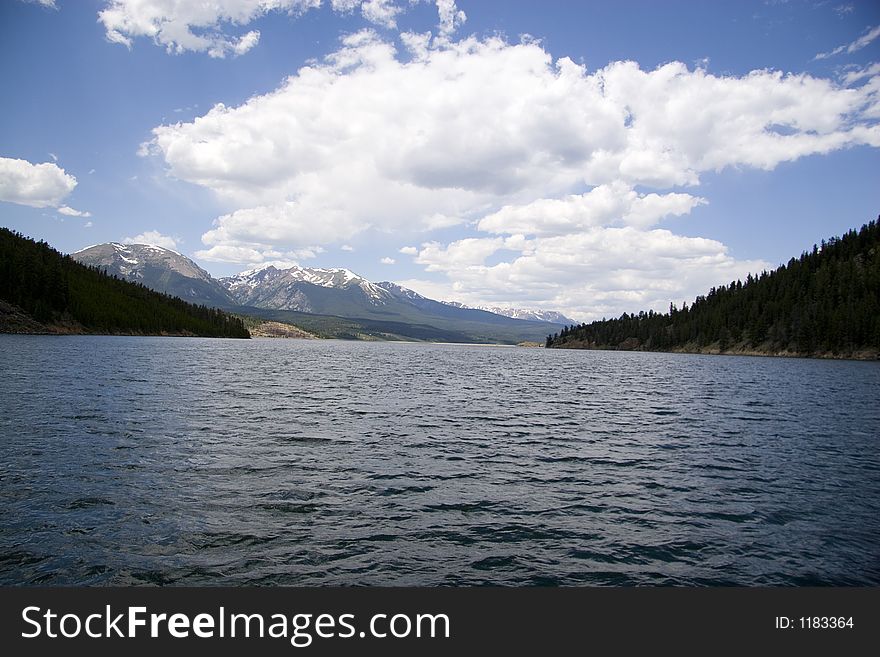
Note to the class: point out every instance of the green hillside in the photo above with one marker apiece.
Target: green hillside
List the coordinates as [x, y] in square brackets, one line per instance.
[66, 296]
[825, 303]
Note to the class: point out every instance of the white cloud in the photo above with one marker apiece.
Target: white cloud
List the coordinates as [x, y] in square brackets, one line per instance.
[345, 6]
[182, 25]
[381, 12]
[866, 39]
[533, 154]
[409, 250]
[70, 212]
[185, 25]
[152, 237]
[346, 247]
[387, 261]
[479, 124]
[588, 275]
[606, 204]
[438, 290]
[255, 254]
[378, 12]
[451, 17]
[855, 74]
[50, 4]
[88, 224]
[619, 123]
[246, 42]
[37, 185]
[236, 254]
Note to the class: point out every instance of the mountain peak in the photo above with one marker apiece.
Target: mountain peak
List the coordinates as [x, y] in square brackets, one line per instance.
[274, 287]
[399, 290]
[157, 267]
[135, 257]
[266, 266]
[128, 248]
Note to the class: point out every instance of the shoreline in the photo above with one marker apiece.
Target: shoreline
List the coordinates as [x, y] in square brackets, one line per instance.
[15, 321]
[864, 355]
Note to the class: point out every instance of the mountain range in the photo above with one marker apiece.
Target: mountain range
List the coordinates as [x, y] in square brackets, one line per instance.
[332, 302]
[520, 313]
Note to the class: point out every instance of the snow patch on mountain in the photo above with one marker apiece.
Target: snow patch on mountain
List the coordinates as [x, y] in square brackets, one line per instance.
[156, 267]
[268, 273]
[519, 313]
[399, 290]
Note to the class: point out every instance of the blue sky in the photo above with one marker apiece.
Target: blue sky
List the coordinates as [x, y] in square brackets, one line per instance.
[510, 158]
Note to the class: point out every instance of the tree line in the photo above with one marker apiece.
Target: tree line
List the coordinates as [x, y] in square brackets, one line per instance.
[825, 302]
[55, 289]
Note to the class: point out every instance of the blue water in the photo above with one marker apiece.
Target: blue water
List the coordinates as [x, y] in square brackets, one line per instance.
[127, 460]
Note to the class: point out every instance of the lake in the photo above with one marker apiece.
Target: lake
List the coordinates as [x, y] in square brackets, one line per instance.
[130, 460]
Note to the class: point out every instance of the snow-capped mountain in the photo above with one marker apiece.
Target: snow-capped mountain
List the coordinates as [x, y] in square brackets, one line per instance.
[520, 313]
[283, 293]
[342, 293]
[158, 268]
[400, 291]
[270, 287]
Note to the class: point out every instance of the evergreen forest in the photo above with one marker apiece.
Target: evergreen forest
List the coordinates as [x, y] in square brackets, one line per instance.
[66, 296]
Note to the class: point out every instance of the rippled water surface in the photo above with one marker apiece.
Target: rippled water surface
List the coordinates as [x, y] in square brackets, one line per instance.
[196, 461]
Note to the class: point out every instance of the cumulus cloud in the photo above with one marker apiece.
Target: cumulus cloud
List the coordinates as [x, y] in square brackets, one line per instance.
[451, 17]
[530, 152]
[381, 12]
[37, 185]
[387, 261]
[153, 237]
[409, 250]
[255, 254]
[477, 124]
[246, 42]
[866, 39]
[183, 25]
[605, 204]
[601, 272]
[70, 212]
[236, 254]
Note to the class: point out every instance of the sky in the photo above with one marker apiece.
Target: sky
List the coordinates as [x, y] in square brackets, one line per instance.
[592, 158]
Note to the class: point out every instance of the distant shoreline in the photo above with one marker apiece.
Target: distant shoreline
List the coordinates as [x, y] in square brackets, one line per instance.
[60, 331]
[862, 355]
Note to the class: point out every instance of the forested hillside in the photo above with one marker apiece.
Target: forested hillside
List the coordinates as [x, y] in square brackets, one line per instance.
[62, 294]
[827, 302]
